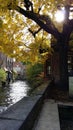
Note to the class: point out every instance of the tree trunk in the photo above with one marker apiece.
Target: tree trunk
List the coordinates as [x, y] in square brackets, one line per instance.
[46, 65]
[63, 55]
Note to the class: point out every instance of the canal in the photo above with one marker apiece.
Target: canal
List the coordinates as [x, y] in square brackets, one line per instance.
[12, 93]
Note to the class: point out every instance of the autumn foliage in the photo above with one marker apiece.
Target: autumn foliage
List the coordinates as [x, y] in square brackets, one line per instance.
[26, 27]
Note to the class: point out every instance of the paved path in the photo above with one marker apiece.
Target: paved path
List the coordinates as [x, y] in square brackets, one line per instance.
[48, 118]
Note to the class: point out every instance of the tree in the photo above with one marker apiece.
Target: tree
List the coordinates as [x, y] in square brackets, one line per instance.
[41, 14]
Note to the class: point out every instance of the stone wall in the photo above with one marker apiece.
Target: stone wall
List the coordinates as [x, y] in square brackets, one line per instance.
[22, 115]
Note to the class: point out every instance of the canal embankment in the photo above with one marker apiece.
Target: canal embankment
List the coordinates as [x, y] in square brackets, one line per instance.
[12, 93]
[22, 115]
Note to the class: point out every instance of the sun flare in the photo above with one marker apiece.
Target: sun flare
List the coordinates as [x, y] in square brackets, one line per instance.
[60, 16]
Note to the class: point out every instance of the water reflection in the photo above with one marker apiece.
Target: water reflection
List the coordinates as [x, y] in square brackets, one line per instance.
[17, 91]
[13, 93]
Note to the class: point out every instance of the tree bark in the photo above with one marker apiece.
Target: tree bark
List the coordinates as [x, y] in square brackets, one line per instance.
[63, 55]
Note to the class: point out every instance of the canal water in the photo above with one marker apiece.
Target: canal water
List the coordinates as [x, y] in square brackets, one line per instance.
[12, 93]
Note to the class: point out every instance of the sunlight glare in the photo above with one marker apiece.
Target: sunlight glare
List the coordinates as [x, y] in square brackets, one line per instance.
[59, 16]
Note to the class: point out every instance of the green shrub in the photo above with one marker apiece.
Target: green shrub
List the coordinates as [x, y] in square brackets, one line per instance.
[33, 74]
[2, 75]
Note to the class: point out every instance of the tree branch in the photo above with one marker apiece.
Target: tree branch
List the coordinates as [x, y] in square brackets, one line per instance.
[34, 32]
[37, 18]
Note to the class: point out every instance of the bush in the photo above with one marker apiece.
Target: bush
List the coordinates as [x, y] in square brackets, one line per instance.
[33, 74]
[2, 75]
